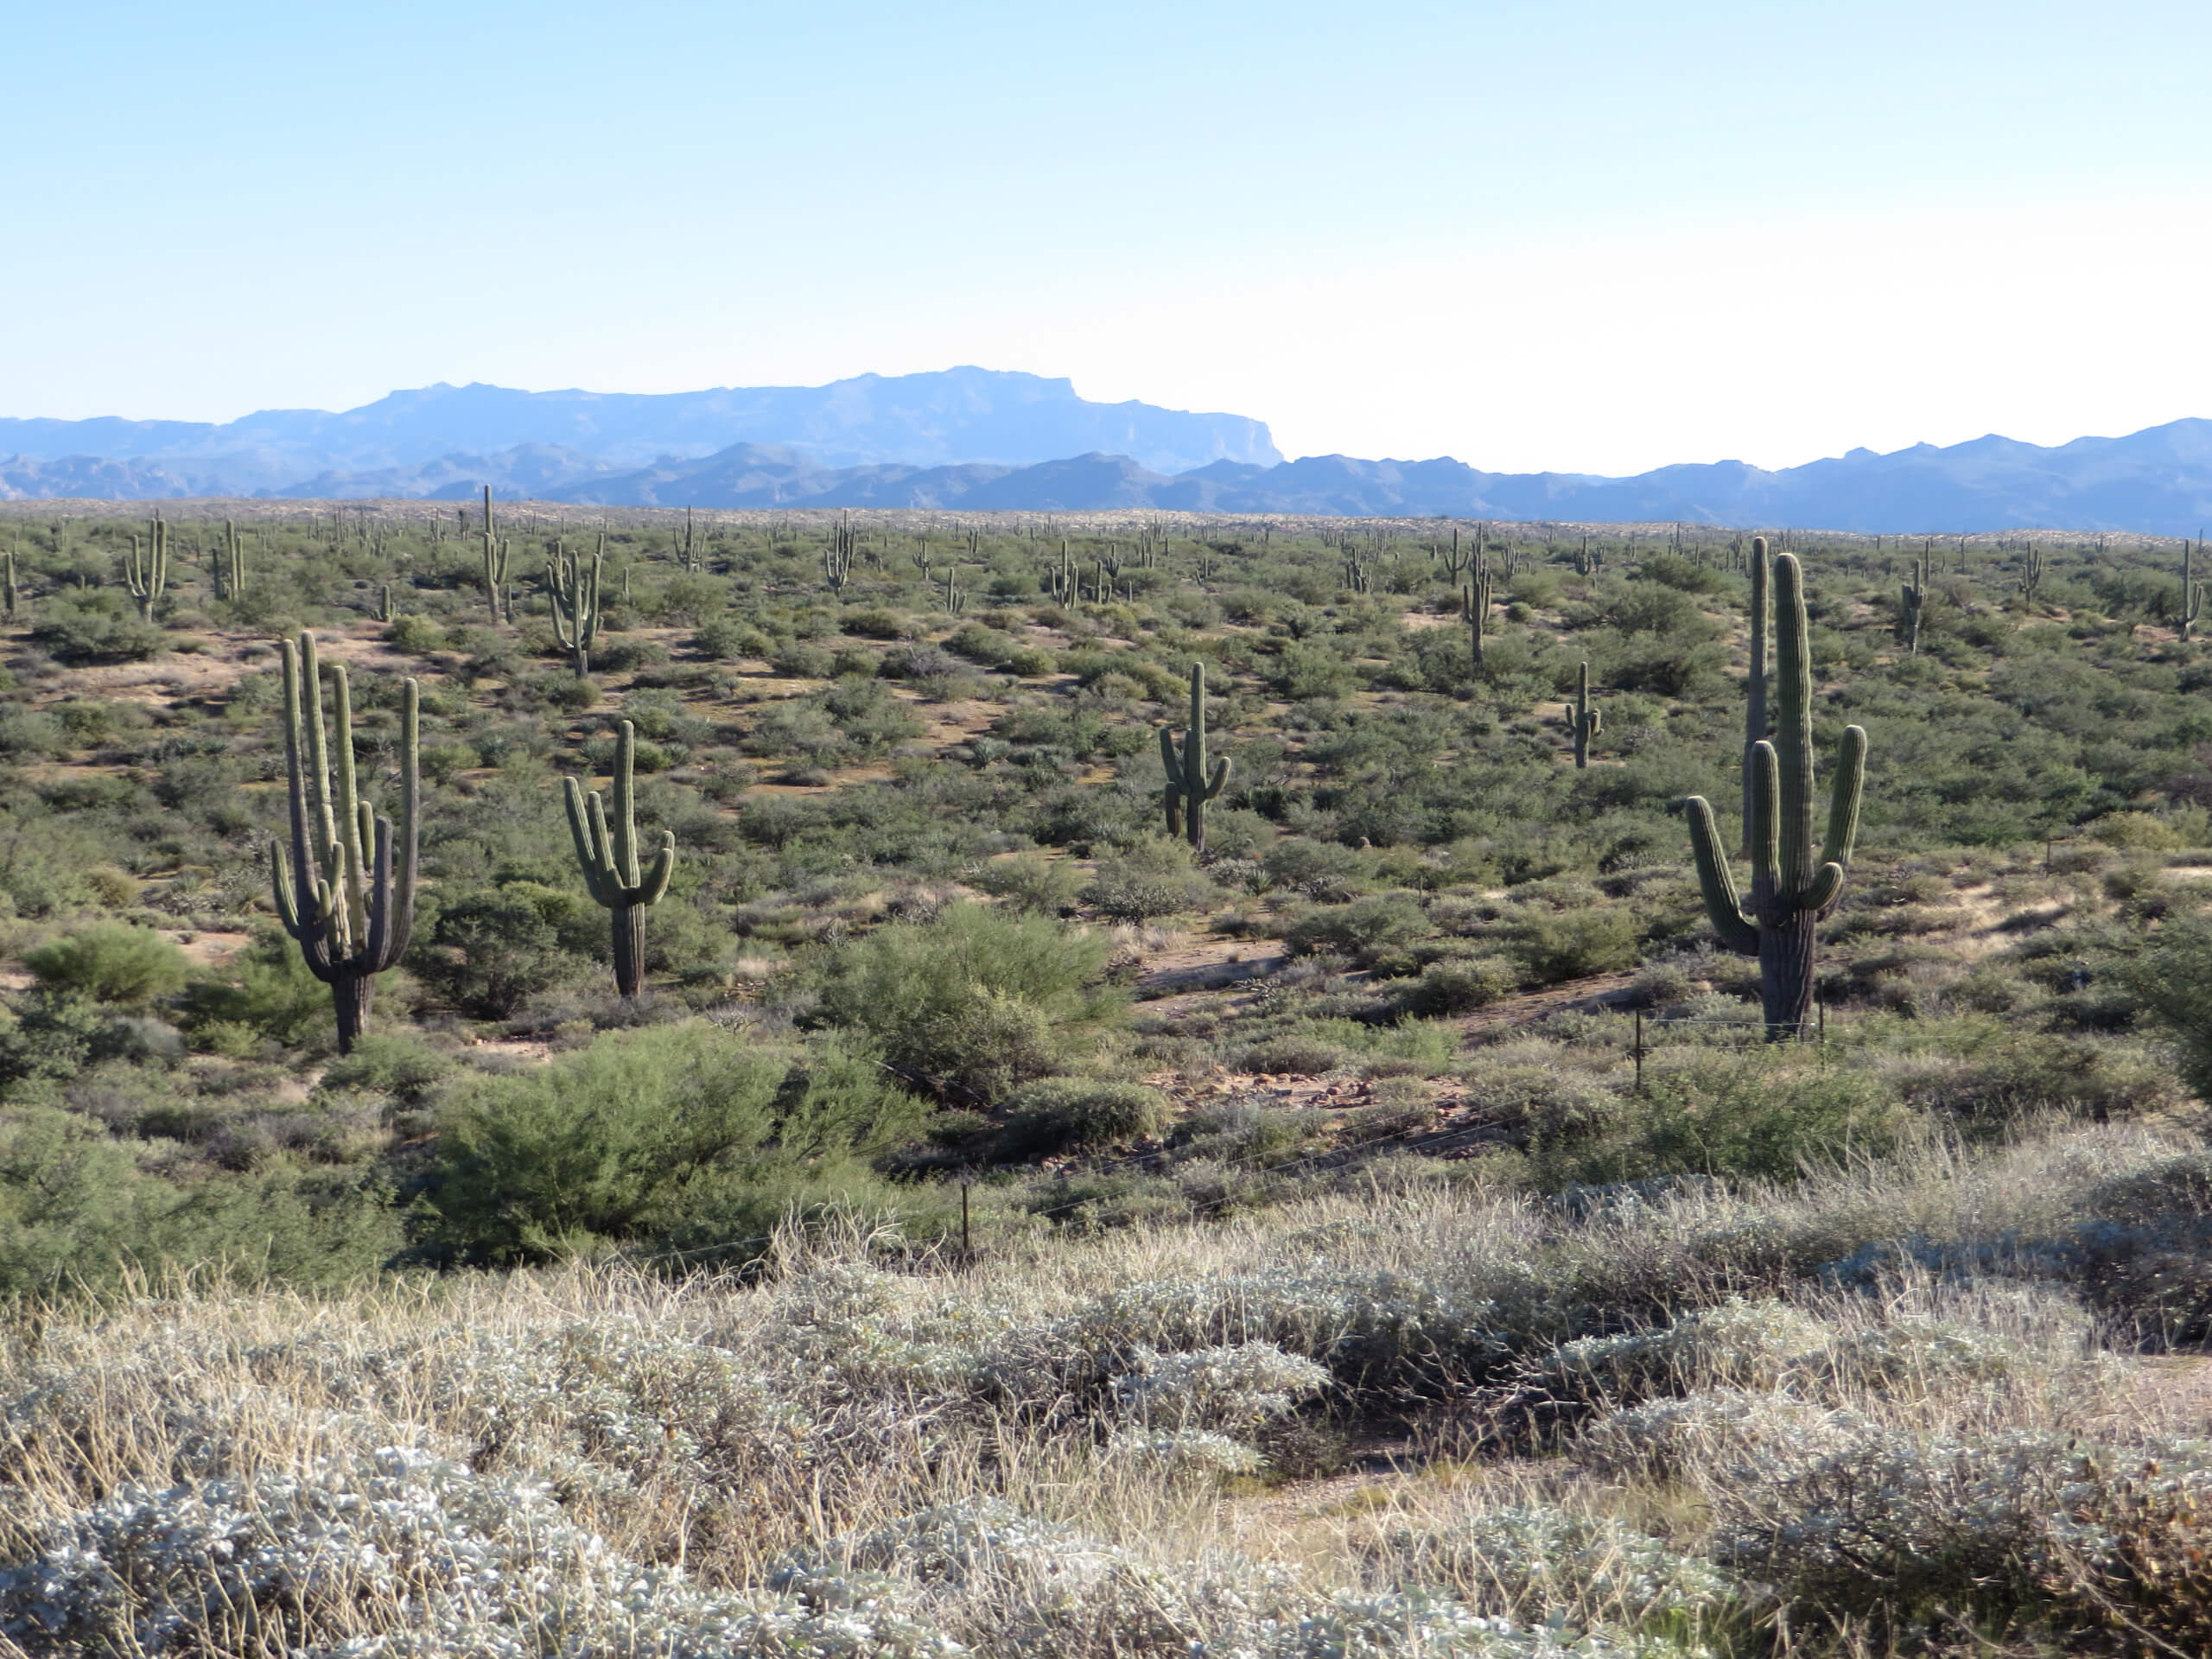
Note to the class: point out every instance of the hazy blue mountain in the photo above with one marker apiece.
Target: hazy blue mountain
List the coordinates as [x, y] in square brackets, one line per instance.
[2157, 480]
[922, 420]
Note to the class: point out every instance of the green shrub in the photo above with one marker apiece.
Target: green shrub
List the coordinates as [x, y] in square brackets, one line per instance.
[1056, 1112]
[1155, 877]
[129, 967]
[1030, 662]
[388, 1064]
[647, 1129]
[1365, 929]
[415, 635]
[1032, 881]
[1763, 1115]
[1459, 984]
[265, 988]
[96, 625]
[975, 1001]
[1576, 943]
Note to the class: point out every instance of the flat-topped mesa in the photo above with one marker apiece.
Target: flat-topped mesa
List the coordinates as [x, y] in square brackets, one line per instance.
[608, 857]
[341, 894]
[1791, 889]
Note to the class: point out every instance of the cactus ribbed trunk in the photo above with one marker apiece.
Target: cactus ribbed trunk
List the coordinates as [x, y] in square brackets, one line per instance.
[629, 948]
[350, 1000]
[1755, 684]
[1786, 973]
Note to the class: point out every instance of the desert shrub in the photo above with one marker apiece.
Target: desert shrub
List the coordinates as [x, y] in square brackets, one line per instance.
[628, 1135]
[388, 1062]
[1576, 943]
[1365, 929]
[415, 635]
[975, 1001]
[1728, 1115]
[1459, 984]
[1032, 881]
[1156, 877]
[266, 989]
[2174, 982]
[1055, 1112]
[1030, 662]
[96, 625]
[129, 967]
[1294, 1056]
[492, 950]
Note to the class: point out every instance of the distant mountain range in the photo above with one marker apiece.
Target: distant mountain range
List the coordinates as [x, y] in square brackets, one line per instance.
[922, 420]
[981, 440]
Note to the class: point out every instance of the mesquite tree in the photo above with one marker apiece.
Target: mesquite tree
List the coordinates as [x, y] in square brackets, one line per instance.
[1791, 890]
[337, 890]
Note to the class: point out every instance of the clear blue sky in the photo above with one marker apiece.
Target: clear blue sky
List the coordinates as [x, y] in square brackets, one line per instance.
[1592, 236]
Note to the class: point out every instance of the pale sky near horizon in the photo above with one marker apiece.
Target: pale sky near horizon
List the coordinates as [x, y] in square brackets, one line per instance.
[1594, 236]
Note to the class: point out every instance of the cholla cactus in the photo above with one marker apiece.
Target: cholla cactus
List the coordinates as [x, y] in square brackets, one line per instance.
[336, 888]
[572, 588]
[609, 861]
[148, 576]
[1190, 783]
[1790, 891]
[1584, 721]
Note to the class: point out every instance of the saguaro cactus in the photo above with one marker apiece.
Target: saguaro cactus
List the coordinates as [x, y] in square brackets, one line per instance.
[336, 889]
[495, 567]
[1914, 597]
[572, 587]
[148, 576]
[609, 861]
[11, 589]
[1791, 890]
[229, 564]
[1191, 785]
[837, 559]
[1474, 606]
[2030, 572]
[1585, 721]
[2192, 590]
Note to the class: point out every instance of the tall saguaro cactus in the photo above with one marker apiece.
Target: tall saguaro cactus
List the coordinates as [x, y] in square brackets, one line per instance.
[1191, 785]
[1914, 599]
[1474, 605]
[1585, 721]
[10, 592]
[337, 889]
[572, 587]
[230, 563]
[147, 575]
[1791, 890]
[2192, 590]
[608, 858]
[495, 567]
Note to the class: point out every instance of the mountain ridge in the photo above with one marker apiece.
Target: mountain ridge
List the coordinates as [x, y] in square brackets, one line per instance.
[949, 416]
